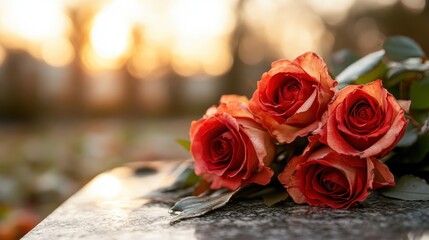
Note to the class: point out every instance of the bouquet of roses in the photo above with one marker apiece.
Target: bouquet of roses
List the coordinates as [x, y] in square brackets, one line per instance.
[303, 134]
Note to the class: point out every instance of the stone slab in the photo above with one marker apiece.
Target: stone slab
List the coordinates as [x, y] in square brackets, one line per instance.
[109, 207]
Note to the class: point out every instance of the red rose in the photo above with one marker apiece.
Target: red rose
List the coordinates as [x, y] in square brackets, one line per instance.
[229, 147]
[292, 96]
[322, 177]
[364, 121]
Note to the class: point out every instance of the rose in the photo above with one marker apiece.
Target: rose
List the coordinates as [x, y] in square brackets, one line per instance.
[292, 96]
[229, 147]
[364, 121]
[323, 177]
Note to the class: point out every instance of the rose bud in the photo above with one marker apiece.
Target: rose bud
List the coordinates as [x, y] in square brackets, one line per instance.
[323, 177]
[292, 96]
[364, 121]
[229, 147]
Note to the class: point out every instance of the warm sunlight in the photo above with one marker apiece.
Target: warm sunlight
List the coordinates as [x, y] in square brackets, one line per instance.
[334, 11]
[58, 52]
[105, 186]
[201, 33]
[2, 55]
[110, 35]
[27, 24]
[283, 32]
[414, 5]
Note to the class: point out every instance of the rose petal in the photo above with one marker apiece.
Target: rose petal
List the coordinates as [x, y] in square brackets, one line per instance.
[382, 175]
[312, 64]
[405, 105]
[263, 177]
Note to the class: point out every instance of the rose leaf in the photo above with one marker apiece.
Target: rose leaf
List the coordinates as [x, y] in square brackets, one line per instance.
[184, 183]
[193, 206]
[412, 64]
[275, 197]
[376, 73]
[185, 178]
[360, 68]
[419, 94]
[168, 196]
[410, 188]
[184, 143]
[409, 138]
[399, 48]
[340, 60]
[398, 74]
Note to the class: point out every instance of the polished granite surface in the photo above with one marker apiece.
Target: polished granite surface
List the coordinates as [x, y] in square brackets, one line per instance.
[110, 207]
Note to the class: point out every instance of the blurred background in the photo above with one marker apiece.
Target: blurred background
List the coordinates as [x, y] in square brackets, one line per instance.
[89, 85]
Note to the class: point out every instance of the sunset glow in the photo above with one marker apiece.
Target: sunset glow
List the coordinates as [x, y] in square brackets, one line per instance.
[110, 36]
[2, 55]
[201, 31]
[27, 24]
[190, 37]
[58, 52]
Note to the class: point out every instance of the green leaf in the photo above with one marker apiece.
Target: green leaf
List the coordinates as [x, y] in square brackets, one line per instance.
[410, 188]
[184, 143]
[275, 197]
[190, 207]
[399, 48]
[340, 60]
[165, 195]
[360, 68]
[401, 75]
[184, 184]
[419, 94]
[409, 138]
[408, 70]
[377, 73]
[185, 179]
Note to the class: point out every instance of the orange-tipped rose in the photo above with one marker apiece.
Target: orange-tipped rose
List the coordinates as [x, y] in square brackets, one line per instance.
[229, 147]
[323, 177]
[364, 121]
[292, 97]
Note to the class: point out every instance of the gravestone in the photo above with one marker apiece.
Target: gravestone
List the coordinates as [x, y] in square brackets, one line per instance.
[111, 207]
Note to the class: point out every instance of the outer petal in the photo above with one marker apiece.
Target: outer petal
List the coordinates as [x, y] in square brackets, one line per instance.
[313, 65]
[382, 175]
[222, 182]
[262, 177]
[286, 177]
[234, 105]
[281, 62]
[261, 140]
